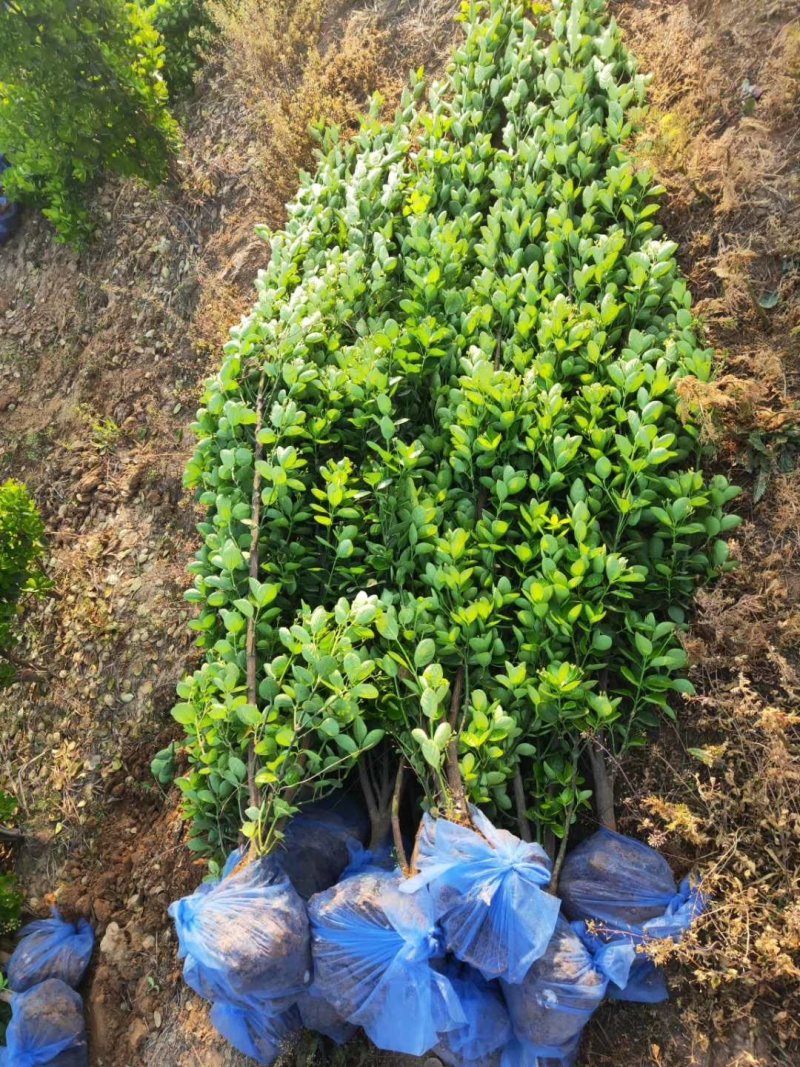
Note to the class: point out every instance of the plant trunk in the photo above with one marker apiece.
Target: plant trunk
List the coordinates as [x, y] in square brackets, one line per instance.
[603, 786]
[454, 781]
[558, 864]
[252, 663]
[522, 812]
[397, 835]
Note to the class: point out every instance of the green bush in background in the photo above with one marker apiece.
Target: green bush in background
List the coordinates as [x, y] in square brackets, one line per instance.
[187, 30]
[81, 95]
[21, 548]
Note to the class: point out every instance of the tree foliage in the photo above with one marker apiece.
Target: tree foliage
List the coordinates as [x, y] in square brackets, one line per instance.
[81, 95]
[453, 412]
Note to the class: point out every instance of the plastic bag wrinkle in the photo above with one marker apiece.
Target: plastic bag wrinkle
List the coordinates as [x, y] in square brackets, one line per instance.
[479, 1042]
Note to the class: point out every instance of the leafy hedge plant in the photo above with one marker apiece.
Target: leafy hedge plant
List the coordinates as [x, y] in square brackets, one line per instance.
[449, 496]
[81, 94]
[21, 549]
[10, 897]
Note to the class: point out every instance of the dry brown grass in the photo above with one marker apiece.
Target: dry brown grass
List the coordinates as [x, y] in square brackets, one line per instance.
[721, 792]
[284, 66]
[300, 64]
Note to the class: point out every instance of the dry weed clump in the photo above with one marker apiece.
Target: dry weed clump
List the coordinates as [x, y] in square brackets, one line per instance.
[735, 806]
[298, 64]
[722, 792]
[304, 63]
[334, 90]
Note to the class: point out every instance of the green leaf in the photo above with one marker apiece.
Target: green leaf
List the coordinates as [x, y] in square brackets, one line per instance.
[184, 714]
[373, 738]
[249, 715]
[431, 753]
[644, 645]
[238, 767]
[232, 558]
[424, 652]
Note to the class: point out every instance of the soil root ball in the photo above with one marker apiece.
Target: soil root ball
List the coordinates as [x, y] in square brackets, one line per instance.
[256, 1033]
[51, 948]
[623, 897]
[557, 997]
[372, 948]
[487, 888]
[47, 1027]
[318, 846]
[480, 1041]
[247, 936]
[616, 880]
[321, 1017]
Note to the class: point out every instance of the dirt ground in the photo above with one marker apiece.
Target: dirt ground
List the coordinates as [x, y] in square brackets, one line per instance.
[101, 360]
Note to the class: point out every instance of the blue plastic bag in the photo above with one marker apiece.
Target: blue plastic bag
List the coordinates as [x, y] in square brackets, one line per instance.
[615, 880]
[257, 1034]
[247, 936]
[47, 1028]
[321, 1017]
[51, 948]
[487, 890]
[487, 1029]
[372, 948]
[627, 892]
[523, 1054]
[10, 214]
[557, 997]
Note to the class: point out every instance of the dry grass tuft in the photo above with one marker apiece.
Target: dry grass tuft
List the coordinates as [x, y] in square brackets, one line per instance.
[721, 793]
[736, 803]
[334, 90]
[300, 64]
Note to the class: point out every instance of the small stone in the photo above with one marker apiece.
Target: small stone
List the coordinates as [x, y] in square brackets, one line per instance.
[103, 910]
[137, 1034]
[114, 944]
